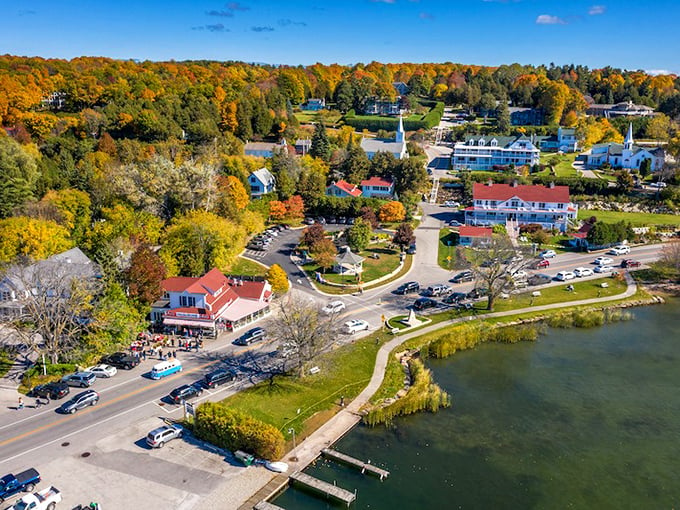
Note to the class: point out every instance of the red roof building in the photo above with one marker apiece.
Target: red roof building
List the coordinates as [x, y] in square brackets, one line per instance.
[378, 187]
[474, 236]
[211, 303]
[343, 189]
[515, 204]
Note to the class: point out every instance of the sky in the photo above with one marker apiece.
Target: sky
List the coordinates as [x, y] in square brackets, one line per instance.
[629, 34]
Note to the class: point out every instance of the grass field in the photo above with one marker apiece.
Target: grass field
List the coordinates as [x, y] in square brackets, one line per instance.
[329, 117]
[387, 262]
[636, 219]
[563, 168]
[447, 248]
[245, 267]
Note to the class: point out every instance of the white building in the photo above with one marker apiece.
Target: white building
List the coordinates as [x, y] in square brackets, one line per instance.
[564, 141]
[627, 155]
[396, 147]
[494, 153]
[261, 182]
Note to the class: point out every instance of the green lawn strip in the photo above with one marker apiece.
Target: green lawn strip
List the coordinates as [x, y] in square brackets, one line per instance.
[447, 248]
[563, 168]
[635, 218]
[246, 267]
[344, 371]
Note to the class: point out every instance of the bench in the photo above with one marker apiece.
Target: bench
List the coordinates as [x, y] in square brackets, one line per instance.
[314, 370]
[536, 293]
[604, 285]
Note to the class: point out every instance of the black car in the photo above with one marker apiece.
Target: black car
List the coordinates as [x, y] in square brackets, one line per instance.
[424, 303]
[406, 288]
[342, 220]
[454, 298]
[321, 220]
[80, 401]
[121, 360]
[284, 226]
[185, 392]
[350, 221]
[308, 221]
[217, 377]
[539, 279]
[465, 276]
[477, 293]
[332, 219]
[53, 391]
[250, 336]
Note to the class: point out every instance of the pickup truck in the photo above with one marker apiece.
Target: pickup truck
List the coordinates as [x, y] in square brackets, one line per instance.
[12, 484]
[45, 499]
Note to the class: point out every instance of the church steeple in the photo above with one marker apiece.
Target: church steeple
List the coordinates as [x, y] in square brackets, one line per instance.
[400, 130]
[628, 142]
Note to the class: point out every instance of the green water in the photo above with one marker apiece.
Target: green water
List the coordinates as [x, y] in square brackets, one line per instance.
[583, 419]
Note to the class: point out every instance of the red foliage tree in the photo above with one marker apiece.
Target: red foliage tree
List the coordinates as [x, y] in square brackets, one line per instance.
[144, 276]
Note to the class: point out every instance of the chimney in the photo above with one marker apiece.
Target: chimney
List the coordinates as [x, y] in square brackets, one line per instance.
[489, 182]
[551, 185]
[514, 183]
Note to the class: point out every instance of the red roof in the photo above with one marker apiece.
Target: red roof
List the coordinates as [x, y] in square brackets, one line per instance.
[467, 231]
[528, 193]
[348, 188]
[211, 282]
[378, 181]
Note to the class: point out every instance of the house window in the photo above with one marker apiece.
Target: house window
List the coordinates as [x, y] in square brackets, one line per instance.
[493, 203]
[254, 189]
[187, 301]
[541, 205]
[5, 295]
[560, 206]
[514, 203]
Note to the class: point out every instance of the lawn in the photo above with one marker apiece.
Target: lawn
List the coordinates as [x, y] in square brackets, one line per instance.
[635, 218]
[246, 267]
[563, 168]
[329, 117]
[6, 360]
[374, 268]
[447, 248]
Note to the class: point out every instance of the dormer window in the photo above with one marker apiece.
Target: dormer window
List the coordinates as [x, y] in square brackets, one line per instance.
[494, 143]
[481, 142]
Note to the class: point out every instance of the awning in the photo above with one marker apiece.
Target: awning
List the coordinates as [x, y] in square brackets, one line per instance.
[242, 308]
[173, 321]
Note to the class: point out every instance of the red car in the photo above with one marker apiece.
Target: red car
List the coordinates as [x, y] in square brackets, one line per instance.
[541, 264]
[630, 263]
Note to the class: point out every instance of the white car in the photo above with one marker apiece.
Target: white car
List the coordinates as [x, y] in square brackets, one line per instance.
[563, 276]
[103, 370]
[619, 250]
[604, 261]
[547, 254]
[583, 271]
[355, 325]
[334, 307]
[658, 185]
[520, 275]
[604, 269]
[451, 203]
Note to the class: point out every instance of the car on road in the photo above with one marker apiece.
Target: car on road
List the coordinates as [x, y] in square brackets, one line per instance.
[547, 254]
[463, 276]
[603, 261]
[334, 307]
[622, 249]
[21, 482]
[250, 336]
[539, 279]
[406, 288]
[121, 360]
[216, 377]
[424, 303]
[355, 325]
[103, 370]
[454, 298]
[185, 392]
[80, 379]
[604, 269]
[309, 221]
[451, 203]
[540, 264]
[455, 223]
[80, 401]
[437, 290]
[563, 276]
[658, 185]
[53, 390]
[583, 271]
[158, 437]
[630, 263]
[519, 275]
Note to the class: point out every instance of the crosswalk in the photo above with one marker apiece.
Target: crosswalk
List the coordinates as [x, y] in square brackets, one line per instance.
[255, 254]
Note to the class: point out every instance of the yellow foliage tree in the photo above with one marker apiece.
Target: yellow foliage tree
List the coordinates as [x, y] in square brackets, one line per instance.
[392, 211]
[31, 237]
[278, 279]
[277, 210]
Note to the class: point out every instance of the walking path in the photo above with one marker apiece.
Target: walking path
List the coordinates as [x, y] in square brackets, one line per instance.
[307, 451]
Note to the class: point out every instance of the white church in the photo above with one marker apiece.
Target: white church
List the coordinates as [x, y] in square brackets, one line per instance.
[396, 147]
[627, 155]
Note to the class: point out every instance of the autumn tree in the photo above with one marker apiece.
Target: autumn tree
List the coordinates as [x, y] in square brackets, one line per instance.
[359, 235]
[312, 234]
[278, 279]
[144, 276]
[368, 214]
[392, 212]
[29, 237]
[404, 236]
[277, 210]
[295, 208]
[74, 210]
[324, 252]
[233, 190]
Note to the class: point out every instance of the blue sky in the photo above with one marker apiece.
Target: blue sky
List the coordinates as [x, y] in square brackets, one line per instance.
[629, 34]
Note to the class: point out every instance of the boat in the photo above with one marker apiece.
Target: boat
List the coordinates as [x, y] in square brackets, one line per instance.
[277, 467]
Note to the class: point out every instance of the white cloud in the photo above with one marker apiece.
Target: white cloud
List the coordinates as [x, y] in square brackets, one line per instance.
[657, 72]
[597, 9]
[548, 19]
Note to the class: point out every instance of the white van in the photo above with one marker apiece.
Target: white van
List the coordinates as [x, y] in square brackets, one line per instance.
[165, 368]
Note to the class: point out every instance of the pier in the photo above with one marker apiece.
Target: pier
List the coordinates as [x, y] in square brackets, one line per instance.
[325, 488]
[264, 505]
[351, 461]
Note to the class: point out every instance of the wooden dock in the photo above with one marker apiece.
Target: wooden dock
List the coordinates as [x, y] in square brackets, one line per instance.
[351, 461]
[264, 505]
[325, 488]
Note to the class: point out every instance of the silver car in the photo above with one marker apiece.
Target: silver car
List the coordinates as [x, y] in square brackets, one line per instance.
[80, 401]
[158, 437]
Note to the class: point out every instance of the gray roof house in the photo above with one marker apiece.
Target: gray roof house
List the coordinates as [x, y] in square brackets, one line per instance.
[261, 182]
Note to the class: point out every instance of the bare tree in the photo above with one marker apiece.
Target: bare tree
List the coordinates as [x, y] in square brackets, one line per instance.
[302, 329]
[53, 307]
[668, 264]
[496, 264]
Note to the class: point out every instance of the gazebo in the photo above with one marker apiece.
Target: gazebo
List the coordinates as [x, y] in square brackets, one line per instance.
[348, 263]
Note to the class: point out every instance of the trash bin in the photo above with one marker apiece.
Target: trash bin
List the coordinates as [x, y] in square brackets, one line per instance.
[246, 458]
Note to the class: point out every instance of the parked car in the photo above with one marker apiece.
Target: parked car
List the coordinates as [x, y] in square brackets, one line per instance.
[53, 390]
[539, 279]
[332, 219]
[437, 290]
[411, 249]
[603, 261]
[257, 247]
[216, 377]
[308, 221]
[547, 254]
[250, 336]
[334, 307]
[563, 276]
[45, 499]
[424, 303]
[185, 392]
[454, 298]
[622, 249]
[604, 269]
[284, 226]
[455, 223]
[355, 325]
[519, 275]
[80, 379]
[658, 185]
[81, 400]
[321, 220]
[350, 221]
[630, 263]
[477, 293]
[342, 220]
[464, 276]
[21, 482]
[540, 264]
[158, 437]
[451, 203]
[406, 288]
[103, 370]
[583, 271]
[121, 360]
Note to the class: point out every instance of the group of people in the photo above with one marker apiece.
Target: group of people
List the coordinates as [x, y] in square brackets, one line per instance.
[148, 346]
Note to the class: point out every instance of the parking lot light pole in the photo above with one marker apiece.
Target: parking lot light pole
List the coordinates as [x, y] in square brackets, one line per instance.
[292, 431]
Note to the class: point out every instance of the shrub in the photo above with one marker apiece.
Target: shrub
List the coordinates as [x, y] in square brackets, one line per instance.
[234, 430]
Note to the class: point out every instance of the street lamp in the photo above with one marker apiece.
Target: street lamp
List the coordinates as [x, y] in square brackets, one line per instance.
[292, 431]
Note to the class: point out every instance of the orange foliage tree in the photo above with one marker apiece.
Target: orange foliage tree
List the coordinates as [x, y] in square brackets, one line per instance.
[392, 211]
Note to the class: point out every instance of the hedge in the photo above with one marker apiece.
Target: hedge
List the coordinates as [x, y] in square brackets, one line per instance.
[375, 123]
[234, 430]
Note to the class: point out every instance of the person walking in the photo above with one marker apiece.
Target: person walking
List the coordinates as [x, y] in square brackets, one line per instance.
[21, 403]
[160, 354]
